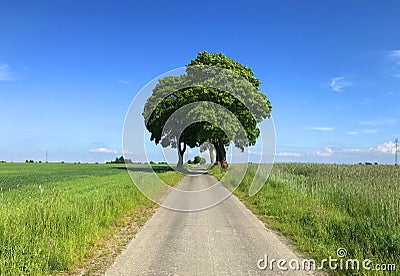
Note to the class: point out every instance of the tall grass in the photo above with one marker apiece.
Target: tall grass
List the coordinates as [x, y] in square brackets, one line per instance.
[324, 207]
[50, 221]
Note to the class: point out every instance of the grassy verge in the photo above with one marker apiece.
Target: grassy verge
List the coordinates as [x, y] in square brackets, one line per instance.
[321, 208]
[53, 214]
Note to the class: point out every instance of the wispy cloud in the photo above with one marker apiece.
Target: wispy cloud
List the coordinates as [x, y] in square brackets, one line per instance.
[370, 131]
[321, 128]
[128, 152]
[395, 54]
[379, 121]
[368, 123]
[288, 154]
[339, 83]
[352, 133]
[254, 152]
[354, 150]
[327, 152]
[5, 73]
[104, 150]
[396, 70]
[394, 58]
[125, 82]
[366, 101]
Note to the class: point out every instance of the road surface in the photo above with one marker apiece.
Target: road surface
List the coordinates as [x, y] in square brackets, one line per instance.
[226, 239]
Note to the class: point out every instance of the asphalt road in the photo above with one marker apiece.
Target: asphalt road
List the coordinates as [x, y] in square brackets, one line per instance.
[226, 239]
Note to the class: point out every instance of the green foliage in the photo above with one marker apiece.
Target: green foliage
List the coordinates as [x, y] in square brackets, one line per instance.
[324, 207]
[199, 160]
[218, 172]
[196, 159]
[120, 160]
[52, 214]
[229, 85]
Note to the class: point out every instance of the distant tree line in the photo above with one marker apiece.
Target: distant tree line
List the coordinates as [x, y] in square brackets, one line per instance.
[159, 163]
[369, 163]
[197, 160]
[120, 160]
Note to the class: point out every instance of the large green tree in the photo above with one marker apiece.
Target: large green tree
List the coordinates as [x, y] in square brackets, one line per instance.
[229, 107]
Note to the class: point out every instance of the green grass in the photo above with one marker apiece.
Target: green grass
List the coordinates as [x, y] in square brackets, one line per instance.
[53, 214]
[16, 175]
[323, 207]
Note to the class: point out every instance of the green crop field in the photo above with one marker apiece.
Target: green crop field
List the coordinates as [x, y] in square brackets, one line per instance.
[321, 208]
[53, 214]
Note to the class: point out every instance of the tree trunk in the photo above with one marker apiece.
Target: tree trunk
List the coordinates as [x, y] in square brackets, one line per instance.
[211, 151]
[221, 154]
[216, 154]
[181, 152]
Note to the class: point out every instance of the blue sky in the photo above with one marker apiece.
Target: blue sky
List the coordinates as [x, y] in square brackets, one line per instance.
[70, 69]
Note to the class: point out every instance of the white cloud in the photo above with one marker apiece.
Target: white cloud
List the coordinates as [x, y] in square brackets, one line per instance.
[128, 152]
[352, 133]
[380, 121]
[352, 150]
[394, 54]
[390, 121]
[388, 147]
[366, 101]
[327, 152]
[254, 153]
[322, 128]
[370, 131]
[125, 82]
[339, 83]
[394, 58]
[369, 123]
[288, 154]
[396, 70]
[104, 150]
[5, 73]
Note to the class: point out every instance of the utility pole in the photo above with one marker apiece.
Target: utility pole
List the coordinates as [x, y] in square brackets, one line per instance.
[396, 144]
[47, 155]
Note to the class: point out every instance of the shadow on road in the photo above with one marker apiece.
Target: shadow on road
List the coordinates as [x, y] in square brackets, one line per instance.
[156, 168]
[165, 168]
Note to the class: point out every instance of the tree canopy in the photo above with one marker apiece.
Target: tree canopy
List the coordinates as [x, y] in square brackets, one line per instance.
[216, 101]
